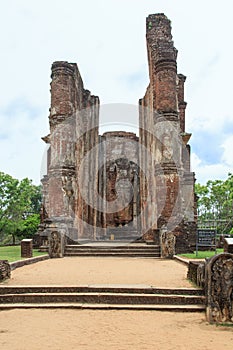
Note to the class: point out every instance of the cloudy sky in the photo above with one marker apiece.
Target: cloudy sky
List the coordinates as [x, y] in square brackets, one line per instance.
[107, 40]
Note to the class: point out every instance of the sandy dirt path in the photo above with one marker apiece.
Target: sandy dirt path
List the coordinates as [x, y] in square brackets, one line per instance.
[112, 330]
[85, 271]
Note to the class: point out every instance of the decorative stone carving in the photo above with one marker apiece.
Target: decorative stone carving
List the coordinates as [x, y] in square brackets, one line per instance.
[67, 186]
[68, 189]
[56, 244]
[201, 275]
[5, 270]
[167, 148]
[219, 279]
[167, 243]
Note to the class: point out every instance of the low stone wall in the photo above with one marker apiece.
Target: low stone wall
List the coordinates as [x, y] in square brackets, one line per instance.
[196, 273]
[16, 264]
[181, 260]
[5, 270]
[192, 271]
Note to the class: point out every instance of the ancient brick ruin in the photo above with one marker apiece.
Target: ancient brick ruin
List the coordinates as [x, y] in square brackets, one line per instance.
[120, 186]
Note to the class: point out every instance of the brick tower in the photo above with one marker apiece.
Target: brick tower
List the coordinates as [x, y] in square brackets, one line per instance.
[162, 133]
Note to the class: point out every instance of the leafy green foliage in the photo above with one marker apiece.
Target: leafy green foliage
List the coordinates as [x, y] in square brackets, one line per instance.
[28, 226]
[20, 203]
[215, 203]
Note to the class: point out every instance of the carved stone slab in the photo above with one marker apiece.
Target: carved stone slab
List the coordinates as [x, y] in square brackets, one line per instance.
[219, 291]
[57, 240]
[167, 243]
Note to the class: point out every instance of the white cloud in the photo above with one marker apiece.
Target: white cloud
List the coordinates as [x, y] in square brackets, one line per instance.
[227, 156]
[20, 142]
[205, 172]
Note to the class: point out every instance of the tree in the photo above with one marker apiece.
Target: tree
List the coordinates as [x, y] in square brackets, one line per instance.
[20, 203]
[28, 227]
[215, 203]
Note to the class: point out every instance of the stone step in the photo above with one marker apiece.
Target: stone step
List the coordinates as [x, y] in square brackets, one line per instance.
[138, 289]
[102, 298]
[148, 248]
[132, 297]
[109, 244]
[171, 308]
[134, 250]
[117, 251]
[109, 249]
[113, 254]
[43, 249]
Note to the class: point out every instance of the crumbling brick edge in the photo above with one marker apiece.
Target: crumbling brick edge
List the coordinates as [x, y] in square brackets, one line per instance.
[20, 263]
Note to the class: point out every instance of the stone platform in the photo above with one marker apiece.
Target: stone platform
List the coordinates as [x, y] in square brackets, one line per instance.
[102, 283]
[114, 249]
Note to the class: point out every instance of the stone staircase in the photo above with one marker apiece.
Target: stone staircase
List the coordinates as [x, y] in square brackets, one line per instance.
[114, 250]
[115, 297]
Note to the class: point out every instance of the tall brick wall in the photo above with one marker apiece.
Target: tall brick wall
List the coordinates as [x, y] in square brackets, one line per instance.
[163, 136]
[74, 119]
[151, 173]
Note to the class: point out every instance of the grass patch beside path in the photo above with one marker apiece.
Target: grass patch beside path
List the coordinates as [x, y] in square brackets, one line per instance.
[224, 324]
[201, 254]
[13, 253]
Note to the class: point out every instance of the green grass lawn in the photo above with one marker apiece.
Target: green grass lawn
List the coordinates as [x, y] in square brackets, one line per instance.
[13, 253]
[202, 254]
